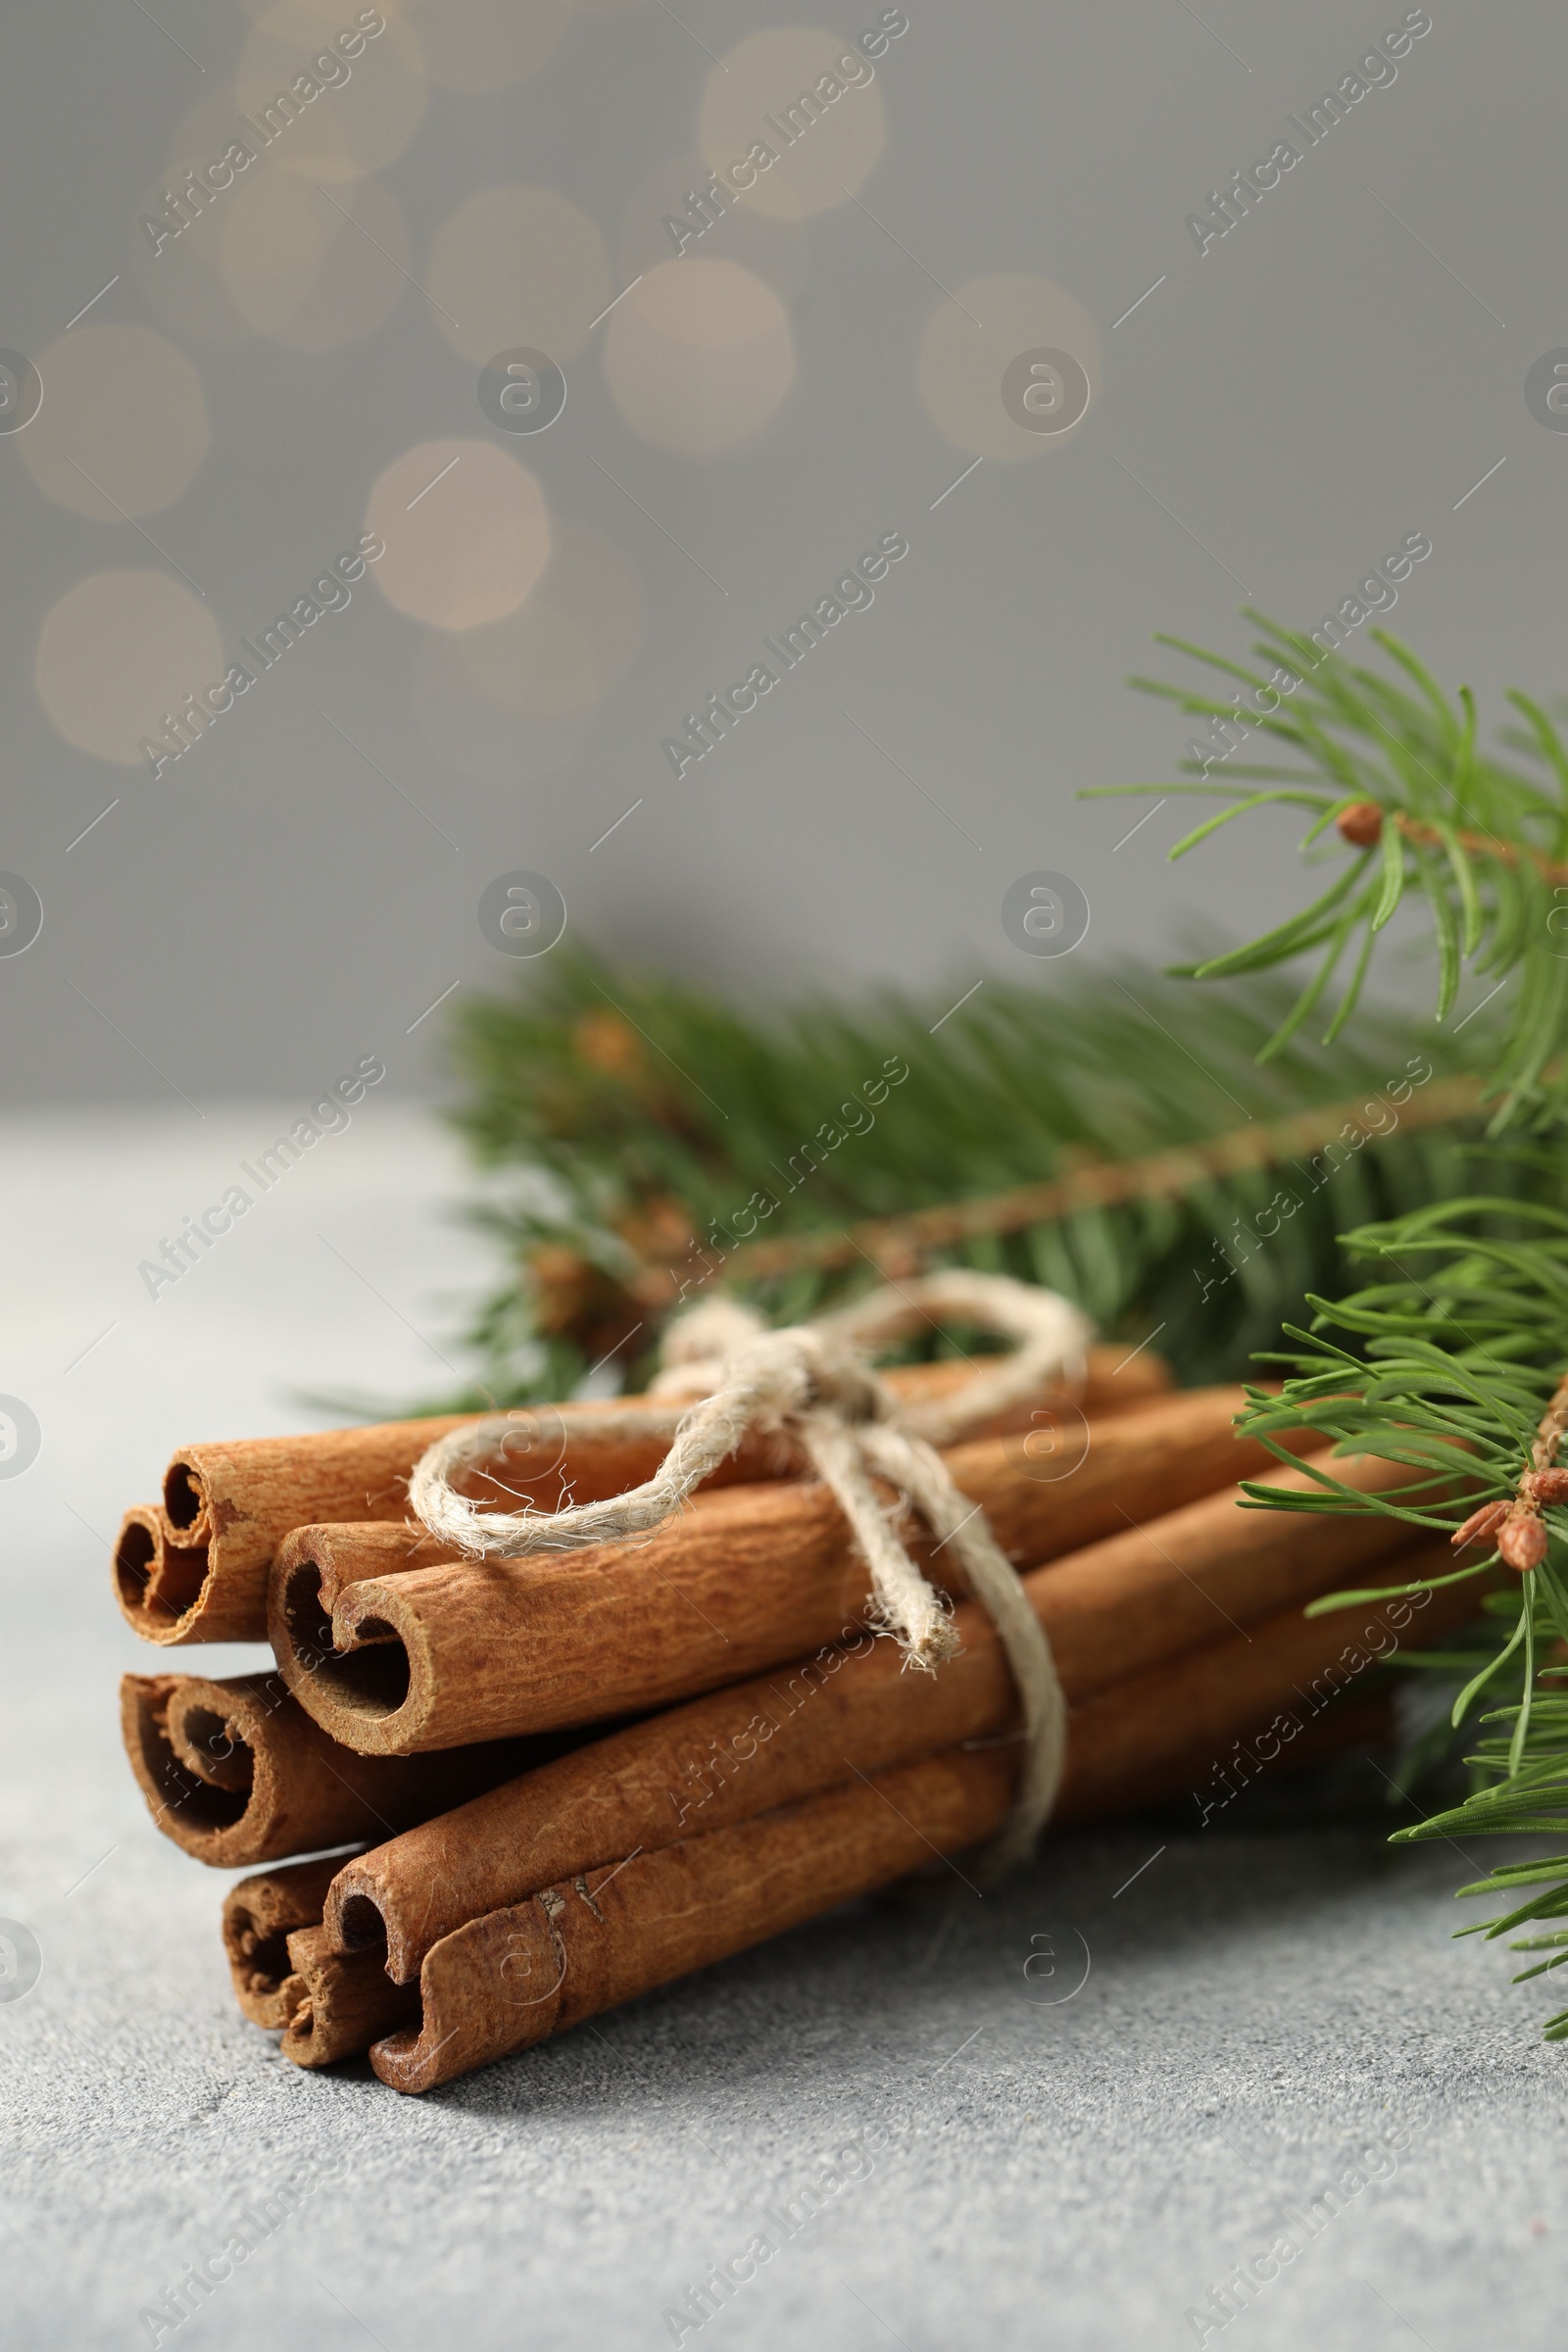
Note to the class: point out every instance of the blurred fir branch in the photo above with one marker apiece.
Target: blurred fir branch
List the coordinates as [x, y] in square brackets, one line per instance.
[1114, 1138]
[1390, 765]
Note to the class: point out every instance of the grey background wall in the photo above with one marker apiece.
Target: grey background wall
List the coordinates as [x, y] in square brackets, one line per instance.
[1275, 414]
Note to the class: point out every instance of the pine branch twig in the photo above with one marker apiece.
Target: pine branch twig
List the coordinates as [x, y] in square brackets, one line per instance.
[1389, 765]
[1361, 825]
[1461, 1342]
[899, 1245]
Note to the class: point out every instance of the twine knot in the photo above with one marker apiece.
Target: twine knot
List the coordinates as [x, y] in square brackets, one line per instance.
[814, 1384]
[806, 1366]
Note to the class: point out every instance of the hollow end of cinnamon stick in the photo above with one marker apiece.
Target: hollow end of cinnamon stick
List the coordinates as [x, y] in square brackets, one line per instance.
[236, 1772]
[197, 1778]
[259, 1914]
[334, 2003]
[156, 1581]
[186, 1503]
[137, 1549]
[361, 1927]
[354, 1689]
[170, 1585]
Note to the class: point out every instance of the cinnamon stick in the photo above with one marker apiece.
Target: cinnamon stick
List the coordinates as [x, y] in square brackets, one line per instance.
[439, 1655]
[259, 1915]
[334, 2003]
[511, 1978]
[227, 1506]
[236, 1772]
[786, 1734]
[515, 1976]
[1113, 1382]
[156, 1579]
[1198, 1730]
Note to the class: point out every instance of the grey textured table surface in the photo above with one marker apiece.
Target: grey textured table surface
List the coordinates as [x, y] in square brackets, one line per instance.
[1223, 2040]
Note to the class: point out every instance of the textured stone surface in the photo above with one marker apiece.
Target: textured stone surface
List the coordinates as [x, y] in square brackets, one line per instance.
[1032, 2160]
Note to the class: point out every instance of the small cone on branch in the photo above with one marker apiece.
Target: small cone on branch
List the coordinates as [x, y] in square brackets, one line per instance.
[1517, 1525]
[607, 1043]
[1519, 1530]
[1362, 824]
[1483, 1522]
[1522, 1542]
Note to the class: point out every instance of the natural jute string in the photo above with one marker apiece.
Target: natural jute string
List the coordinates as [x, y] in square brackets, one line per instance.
[814, 1384]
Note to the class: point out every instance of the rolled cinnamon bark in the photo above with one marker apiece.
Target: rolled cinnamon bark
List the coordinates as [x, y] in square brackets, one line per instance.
[156, 1579]
[391, 1664]
[235, 1772]
[756, 1745]
[511, 1978]
[1113, 1383]
[1200, 1728]
[230, 1504]
[259, 1915]
[515, 1976]
[333, 2002]
[227, 1506]
[336, 2004]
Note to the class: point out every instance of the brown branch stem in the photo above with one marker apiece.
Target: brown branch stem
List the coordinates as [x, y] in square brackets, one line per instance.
[1363, 826]
[899, 1245]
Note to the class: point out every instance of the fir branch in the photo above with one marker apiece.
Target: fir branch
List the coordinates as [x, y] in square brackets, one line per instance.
[1106, 1137]
[903, 1245]
[1463, 1340]
[1393, 770]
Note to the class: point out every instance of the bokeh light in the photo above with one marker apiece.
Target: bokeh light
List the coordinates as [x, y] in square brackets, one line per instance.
[515, 267]
[312, 267]
[480, 45]
[659, 221]
[117, 651]
[807, 99]
[991, 325]
[325, 109]
[123, 422]
[175, 256]
[700, 356]
[572, 641]
[465, 529]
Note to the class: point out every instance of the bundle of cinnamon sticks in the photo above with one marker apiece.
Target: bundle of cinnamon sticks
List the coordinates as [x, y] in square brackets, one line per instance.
[483, 1800]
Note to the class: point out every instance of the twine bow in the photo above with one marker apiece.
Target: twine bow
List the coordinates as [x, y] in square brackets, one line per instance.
[814, 1383]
